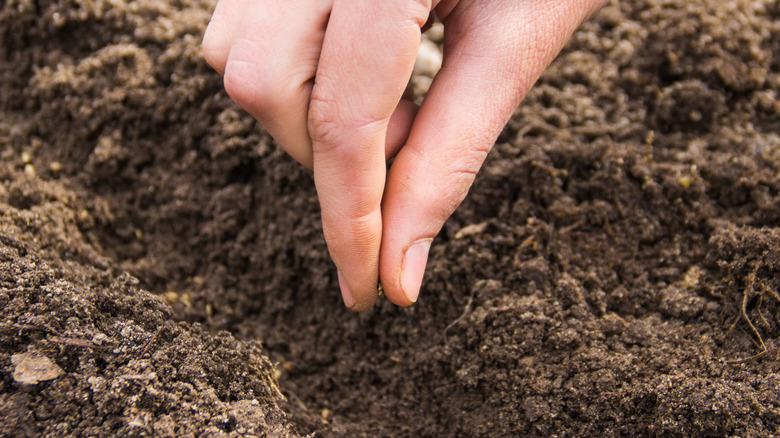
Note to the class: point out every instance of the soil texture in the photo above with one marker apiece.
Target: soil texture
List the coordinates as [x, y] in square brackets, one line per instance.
[614, 271]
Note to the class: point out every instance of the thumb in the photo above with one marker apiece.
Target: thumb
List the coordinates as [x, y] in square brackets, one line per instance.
[494, 52]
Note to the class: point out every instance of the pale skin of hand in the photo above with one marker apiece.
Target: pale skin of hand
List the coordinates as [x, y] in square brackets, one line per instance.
[328, 80]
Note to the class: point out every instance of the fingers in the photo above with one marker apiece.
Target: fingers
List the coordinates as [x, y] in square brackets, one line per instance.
[268, 52]
[350, 121]
[494, 52]
[272, 53]
[367, 58]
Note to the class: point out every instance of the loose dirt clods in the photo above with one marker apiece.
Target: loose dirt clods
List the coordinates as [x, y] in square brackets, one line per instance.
[613, 272]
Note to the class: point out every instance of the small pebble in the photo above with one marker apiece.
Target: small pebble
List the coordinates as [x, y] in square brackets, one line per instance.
[470, 230]
[100, 339]
[185, 299]
[436, 32]
[171, 296]
[429, 59]
[30, 368]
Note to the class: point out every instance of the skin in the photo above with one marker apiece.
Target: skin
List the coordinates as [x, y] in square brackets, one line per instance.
[328, 80]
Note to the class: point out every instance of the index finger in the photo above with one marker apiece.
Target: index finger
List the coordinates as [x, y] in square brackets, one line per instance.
[367, 58]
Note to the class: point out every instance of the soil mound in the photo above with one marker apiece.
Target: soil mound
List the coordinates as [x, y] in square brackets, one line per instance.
[615, 270]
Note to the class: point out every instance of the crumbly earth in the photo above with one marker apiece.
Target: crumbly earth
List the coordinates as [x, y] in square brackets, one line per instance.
[615, 270]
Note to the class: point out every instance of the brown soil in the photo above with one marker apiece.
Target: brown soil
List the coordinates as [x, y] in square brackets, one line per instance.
[615, 270]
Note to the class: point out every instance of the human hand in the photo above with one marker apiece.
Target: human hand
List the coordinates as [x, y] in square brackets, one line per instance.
[326, 79]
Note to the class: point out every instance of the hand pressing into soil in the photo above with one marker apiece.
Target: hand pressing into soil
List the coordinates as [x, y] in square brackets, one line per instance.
[328, 80]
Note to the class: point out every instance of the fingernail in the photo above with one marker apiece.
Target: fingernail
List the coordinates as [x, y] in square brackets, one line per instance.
[415, 259]
[346, 294]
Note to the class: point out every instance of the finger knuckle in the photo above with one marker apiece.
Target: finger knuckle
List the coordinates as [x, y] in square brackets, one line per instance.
[323, 120]
[421, 10]
[247, 88]
[360, 224]
[469, 161]
[336, 130]
[213, 49]
[461, 172]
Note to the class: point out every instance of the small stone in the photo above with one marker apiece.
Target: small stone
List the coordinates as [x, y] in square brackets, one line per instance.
[429, 59]
[100, 339]
[684, 181]
[31, 368]
[185, 299]
[436, 32]
[97, 384]
[470, 230]
[55, 166]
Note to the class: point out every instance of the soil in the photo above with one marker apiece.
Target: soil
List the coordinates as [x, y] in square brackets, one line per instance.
[614, 271]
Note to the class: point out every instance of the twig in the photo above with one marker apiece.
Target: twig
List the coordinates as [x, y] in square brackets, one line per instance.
[750, 323]
[460, 318]
[747, 359]
[74, 342]
[150, 341]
